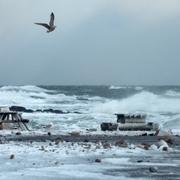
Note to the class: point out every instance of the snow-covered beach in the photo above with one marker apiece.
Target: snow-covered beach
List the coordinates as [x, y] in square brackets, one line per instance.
[88, 157]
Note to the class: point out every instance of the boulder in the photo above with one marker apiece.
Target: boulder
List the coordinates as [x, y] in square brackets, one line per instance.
[162, 143]
[109, 126]
[20, 109]
[53, 111]
[29, 111]
[163, 146]
[50, 110]
[167, 139]
[17, 108]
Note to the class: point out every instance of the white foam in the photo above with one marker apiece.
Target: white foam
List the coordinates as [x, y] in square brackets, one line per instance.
[138, 88]
[118, 87]
[31, 97]
[95, 109]
[157, 107]
[28, 88]
[172, 93]
[141, 102]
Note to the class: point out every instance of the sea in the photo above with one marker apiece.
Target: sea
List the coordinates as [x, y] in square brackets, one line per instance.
[89, 106]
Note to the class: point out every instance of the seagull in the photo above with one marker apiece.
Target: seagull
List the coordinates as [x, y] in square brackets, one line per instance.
[51, 27]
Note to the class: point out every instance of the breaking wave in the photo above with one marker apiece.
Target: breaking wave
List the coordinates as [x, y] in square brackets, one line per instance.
[28, 88]
[118, 87]
[172, 93]
[137, 88]
[31, 96]
[143, 102]
[160, 106]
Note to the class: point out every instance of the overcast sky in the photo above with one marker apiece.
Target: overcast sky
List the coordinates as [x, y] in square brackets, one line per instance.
[112, 42]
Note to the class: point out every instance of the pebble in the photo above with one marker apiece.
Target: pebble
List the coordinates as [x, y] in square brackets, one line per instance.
[18, 133]
[152, 169]
[97, 160]
[49, 133]
[106, 145]
[121, 143]
[139, 161]
[12, 156]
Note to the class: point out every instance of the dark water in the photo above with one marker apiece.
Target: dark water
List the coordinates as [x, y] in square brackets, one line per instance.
[113, 92]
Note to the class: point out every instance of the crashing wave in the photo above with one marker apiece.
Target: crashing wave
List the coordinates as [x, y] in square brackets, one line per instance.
[31, 96]
[27, 88]
[144, 102]
[118, 87]
[172, 93]
[137, 88]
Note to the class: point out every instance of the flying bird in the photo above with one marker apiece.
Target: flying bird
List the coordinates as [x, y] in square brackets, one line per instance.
[51, 27]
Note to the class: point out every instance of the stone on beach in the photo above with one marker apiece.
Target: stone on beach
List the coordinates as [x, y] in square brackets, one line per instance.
[153, 169]
[153, 147]
[74, 133]
[139, 161]
[98, 160]
[58, 140]
[42, 148]
[167, 139]
[12, 156]
[162, 143]
[18, 133]
[144, 146]
[49, 133]
[121, 143]
[106, 145]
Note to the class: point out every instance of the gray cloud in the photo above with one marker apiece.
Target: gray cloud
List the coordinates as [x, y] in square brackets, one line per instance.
[96, 42]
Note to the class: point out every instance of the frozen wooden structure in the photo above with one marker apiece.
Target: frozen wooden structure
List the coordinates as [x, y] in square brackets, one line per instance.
[12, 120]
[130, 122]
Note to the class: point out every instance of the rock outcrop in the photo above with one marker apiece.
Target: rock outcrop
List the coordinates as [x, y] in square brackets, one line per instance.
[50, 110]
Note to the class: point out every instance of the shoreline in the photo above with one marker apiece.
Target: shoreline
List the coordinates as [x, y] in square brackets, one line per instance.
[112, 156]
[94, 138]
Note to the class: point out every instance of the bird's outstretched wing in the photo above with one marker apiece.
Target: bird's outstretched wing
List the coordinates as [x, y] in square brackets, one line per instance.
[43, 24]
[51, 22]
